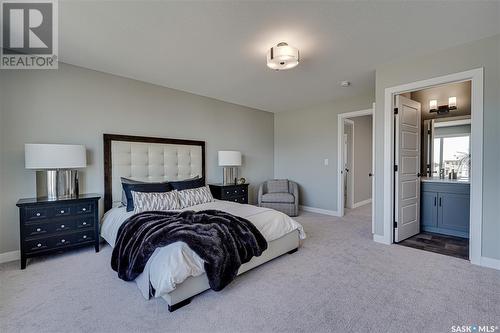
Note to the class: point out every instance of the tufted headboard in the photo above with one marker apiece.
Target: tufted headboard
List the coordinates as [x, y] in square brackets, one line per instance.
[148, 159]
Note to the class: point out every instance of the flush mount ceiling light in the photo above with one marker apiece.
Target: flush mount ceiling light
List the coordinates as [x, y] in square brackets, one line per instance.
[282, 56]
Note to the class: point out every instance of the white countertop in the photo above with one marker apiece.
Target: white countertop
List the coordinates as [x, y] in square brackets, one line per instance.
[445, 180]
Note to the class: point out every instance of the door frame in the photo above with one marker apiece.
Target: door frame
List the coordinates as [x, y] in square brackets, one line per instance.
[476, 176]
[350, 183]
[340, 155]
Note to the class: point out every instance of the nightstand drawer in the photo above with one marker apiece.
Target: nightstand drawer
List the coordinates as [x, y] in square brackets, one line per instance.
[38, 229]
[84, 208]
[37, 213]
[85, 222]
[38, 245]
[63, 210]
[64, 225]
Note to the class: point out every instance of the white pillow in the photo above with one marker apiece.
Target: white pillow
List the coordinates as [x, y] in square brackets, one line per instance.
[195, 196]
[150, 201]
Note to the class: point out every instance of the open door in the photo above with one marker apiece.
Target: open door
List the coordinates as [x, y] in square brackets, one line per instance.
[407, 169]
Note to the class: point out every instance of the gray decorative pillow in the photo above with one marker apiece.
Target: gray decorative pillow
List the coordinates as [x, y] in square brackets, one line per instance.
[151, 201]
[195, 196]
[277, 186]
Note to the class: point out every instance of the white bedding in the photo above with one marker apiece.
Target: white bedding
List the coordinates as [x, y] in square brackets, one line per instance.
[172, 264]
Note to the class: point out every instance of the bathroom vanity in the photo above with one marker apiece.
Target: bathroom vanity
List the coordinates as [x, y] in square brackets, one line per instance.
[445, 206]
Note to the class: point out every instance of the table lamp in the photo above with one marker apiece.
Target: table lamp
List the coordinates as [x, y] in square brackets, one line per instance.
[56, 166]
[229, 160]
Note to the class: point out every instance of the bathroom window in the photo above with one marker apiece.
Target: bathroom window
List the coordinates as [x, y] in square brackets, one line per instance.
[452, 153]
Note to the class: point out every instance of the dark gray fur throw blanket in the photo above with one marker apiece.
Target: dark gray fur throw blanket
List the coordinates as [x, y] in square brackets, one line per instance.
[222, 240]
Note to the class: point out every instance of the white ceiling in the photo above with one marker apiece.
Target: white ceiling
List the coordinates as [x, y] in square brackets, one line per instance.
[218, 49]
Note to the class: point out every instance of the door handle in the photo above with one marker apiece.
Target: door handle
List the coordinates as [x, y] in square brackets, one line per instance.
[440, 202]
[419, 174]
[435, 199]
[370, 174]
[346, 170]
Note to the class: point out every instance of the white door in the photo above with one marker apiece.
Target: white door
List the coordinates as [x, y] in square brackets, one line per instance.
[407, 176]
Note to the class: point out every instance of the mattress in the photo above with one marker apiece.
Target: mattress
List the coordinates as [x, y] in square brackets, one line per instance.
[171, 265]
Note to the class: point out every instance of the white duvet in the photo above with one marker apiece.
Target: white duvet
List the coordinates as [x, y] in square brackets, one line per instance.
[174, 263]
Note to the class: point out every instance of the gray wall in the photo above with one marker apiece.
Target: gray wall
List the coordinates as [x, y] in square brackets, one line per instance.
[303, 139]
[75, 105]
[362, 158]
[483, 53]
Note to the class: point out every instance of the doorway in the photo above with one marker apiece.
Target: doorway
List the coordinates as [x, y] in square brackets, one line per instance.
[396, 210]
[355, 160]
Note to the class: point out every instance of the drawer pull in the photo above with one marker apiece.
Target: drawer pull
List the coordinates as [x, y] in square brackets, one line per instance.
[63, 241]
[38, 229]
[62, 226]
[39, 245]
[38, 214]
[84, 223]
[84, 236]
[84, 209]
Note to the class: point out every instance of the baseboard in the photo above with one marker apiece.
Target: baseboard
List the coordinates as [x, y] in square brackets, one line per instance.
[361, 203]
[380, 239]
[10, 256]
[319, 211]
[490, 262]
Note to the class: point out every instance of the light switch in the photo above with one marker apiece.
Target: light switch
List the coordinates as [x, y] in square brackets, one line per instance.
[326, 161]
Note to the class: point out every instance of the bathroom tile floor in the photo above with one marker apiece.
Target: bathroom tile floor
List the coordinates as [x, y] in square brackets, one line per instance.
[448, 245]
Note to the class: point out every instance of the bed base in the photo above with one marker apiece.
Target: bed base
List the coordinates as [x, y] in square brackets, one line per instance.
[194, 285]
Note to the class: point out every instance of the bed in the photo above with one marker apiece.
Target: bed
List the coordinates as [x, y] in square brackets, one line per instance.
[175, 272]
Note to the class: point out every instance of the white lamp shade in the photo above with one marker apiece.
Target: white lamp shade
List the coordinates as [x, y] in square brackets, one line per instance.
[52, 156]
[229, 158]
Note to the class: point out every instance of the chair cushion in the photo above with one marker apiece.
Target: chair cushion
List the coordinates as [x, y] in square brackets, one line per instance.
[278, 198]
[277, 186]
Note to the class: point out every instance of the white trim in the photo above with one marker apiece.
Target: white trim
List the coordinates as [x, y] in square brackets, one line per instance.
[476, 219]
[350, 179]
[490, 262]
[319, 211]
[361, 203]
[340, 156]
[10, 256]
[451, 123]
[380, 239]
[373, 168]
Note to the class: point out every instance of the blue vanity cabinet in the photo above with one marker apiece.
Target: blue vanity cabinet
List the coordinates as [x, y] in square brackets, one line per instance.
[445, 208]
[428, 211]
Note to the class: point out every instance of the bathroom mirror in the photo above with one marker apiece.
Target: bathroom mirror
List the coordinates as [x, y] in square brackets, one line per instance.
[446, 147]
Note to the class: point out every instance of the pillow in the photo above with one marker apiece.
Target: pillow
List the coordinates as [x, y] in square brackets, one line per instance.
[195, 196]
[128, 181]
[149, 201]
[188, 183]
[277, 186]
[142, 187]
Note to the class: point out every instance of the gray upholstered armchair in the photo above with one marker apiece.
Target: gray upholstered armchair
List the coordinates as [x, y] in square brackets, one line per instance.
[280, 194]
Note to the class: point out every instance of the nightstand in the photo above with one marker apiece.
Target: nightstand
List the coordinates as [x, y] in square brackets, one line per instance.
[236, 193]
[57, 225]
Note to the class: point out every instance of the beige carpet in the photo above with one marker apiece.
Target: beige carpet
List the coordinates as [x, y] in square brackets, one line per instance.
[339, 281]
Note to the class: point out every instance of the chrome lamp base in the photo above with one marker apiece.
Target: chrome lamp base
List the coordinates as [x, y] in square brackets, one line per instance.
[230, 175]
[57, 184]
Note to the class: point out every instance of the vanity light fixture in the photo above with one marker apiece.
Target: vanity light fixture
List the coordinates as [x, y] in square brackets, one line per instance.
[443, 109]
[282, 57]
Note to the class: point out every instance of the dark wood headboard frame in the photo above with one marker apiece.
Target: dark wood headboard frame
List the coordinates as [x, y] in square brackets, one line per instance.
[108, 138]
